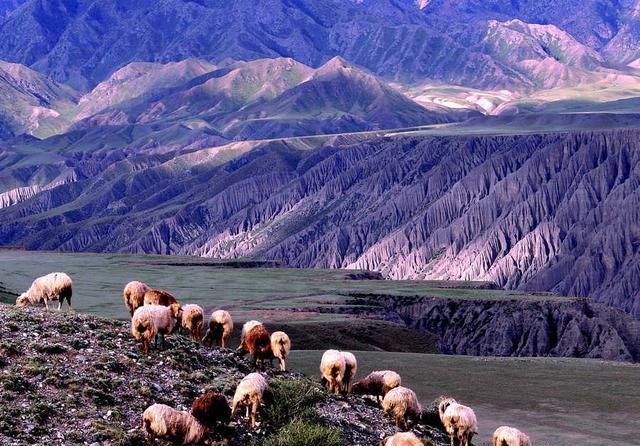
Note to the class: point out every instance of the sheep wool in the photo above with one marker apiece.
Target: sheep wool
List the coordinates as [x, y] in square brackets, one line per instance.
[281, 346]
[53, 286]
[193, 320]
[460, 422]
[249, 393]
[377, 383]
[443, 403]
[350, 369]
[332, 368]
[179, 427]
[211, 408]
[257, 342]
[150, 321]
[220, 328]
[510, 436]
[402, 439]
[403, 404]
[133, 295]
[159, 297]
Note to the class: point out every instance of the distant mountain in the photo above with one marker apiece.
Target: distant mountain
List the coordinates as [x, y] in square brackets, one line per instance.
[538, 212]
[83, 42]
[8, 6]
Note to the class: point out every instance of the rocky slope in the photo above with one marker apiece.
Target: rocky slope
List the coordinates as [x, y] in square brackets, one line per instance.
[543, 212]
[82, 42]
[82, 380]
[518, 327]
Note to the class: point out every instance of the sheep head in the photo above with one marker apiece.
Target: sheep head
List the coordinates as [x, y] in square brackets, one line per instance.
[22, 300]
[176, 311]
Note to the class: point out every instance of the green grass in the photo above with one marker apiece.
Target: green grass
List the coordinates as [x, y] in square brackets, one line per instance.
[557, 401]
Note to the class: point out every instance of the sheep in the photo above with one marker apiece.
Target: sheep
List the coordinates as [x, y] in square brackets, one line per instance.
[351, 366]
[250, 393]
[402, 439]
[510, 436]
[179, 427]
[281, 346]
[377, 383]
[192, 320]
[220, 328]
[159, 297]
[53, 286]
[332, 368]
[443, 403]
[403, 404]
[460, 422]
[257, 341]
[149, 321]
[133, 295]
[211, 408]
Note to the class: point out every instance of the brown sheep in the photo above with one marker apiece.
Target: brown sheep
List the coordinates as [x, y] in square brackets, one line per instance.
[193, 320]
[377, 383]
[211, 408]
[159, 297]
[257, 342]
[133, 295]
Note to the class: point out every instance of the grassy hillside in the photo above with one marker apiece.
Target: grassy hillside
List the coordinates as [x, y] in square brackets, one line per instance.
[557, 401]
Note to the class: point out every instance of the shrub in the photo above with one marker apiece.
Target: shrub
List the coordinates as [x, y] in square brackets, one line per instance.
[293, 399]
[303, 433]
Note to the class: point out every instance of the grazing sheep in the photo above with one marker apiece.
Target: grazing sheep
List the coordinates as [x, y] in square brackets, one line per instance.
[159, 297]
[53, 286]
[257, 342]
[133, 295]
[332, 368]
[178, 427]
[460, 422]
[250, 393]
[377, 383]
[192, 320]
[281, 346]
[510, 436]
[248, 326]
[403, 404]
[211, 408]
[402, 439]
[149, 321]
[350, 369]
[220, 328]
[443, 403]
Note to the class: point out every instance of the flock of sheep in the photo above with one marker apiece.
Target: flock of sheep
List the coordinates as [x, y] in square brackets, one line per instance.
[156, 313]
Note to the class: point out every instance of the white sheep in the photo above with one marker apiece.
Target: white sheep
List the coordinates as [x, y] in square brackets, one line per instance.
[350, 369]
[460, 422]
[179, 427]
[510, 436]
[250, 393]
[133, 295]
[443, 403]
[192, 320]
[332, 368]
[403, 404]
[280, 346]
[150, 321]
[402, 439]
[377, 383]
[53, 286]
[220, 328]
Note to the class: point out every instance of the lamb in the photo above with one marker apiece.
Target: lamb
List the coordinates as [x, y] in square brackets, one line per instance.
[350, 369]
[178, 427]
[460, 422]
[510, 436]
[443, 403]
[332, 368]
[402, 439]
[192, 320]
[250, 393]
[281, 346]
[257, 341]
[133, 295]
[211, 408]
[403, 404]
[220, 328]
[377, 383]
[159, 297]
[53, 286]
[149, 321]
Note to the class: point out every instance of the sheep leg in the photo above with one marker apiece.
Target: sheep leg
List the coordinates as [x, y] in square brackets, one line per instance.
[46, 305]
[398, 420]
[162, 340]
[451, 435]
[221, 343]
[60, 305]
[283, 365]
[247, 415]
[254, 412]
[145, 346]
